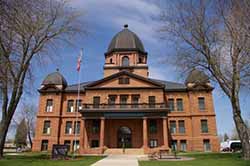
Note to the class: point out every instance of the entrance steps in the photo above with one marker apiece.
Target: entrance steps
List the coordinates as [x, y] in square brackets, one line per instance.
[137, 151]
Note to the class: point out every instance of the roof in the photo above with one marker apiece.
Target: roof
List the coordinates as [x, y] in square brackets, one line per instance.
[197, 76]
[55, 78]
[126, 40]
[172, 86]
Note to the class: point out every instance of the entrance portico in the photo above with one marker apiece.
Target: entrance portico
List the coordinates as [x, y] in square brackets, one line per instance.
[124, 133]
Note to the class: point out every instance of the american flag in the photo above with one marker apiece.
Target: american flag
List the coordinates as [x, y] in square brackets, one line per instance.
[79, 61]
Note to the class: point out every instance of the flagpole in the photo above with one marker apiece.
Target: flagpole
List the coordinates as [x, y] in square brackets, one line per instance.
[77, 107]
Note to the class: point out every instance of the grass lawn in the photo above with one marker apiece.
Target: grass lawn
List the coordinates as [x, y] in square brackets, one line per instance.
[205, 159]
[44, 160]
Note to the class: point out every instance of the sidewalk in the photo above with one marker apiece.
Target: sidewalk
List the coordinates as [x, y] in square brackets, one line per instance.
[118, 160]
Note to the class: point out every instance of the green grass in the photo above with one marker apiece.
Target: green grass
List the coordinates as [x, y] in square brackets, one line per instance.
[44, 160]
[203, 159]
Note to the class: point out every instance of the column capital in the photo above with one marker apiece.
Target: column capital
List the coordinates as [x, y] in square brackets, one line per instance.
[145, 117]
[102, 118]
[164, 117]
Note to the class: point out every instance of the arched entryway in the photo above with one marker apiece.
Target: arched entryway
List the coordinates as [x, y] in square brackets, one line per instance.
[124, 137]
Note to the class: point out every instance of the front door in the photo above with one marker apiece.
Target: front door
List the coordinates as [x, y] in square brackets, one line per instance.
[124, 137]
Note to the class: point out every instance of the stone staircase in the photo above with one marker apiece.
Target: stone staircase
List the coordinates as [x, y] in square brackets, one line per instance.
[135, 151]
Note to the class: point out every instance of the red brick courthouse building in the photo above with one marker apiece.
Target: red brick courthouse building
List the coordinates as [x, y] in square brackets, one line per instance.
[126, 108]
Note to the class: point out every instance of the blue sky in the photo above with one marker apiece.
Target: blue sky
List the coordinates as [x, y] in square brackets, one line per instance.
[103, 19]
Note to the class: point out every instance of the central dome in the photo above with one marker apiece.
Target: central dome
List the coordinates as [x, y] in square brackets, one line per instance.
[126, 40]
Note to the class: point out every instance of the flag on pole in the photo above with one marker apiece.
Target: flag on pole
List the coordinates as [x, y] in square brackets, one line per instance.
[79, 61]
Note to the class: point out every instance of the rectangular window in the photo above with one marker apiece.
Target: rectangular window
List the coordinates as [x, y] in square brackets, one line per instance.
[76, 145]
[111, 101]
[153, 143]
[153, 126]
[44, 145]
[201, 101]
[46, 127]
[135, 101]
[77, 127]
[96, 101]
[151, 101]
[174, 145]
[181, 126]
[123, 80]
[79, 104]
[123, 101]
[204, 126]
[183, 145]
[95, 126]
[179, 103]
[68, 128]
[206, 145]
[171, 104]
[94, 143]
[49, 105]
[70, 107]
[67, 142]
[173, 127]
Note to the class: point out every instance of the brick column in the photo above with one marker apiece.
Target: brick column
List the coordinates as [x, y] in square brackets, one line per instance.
[165, 131]
[85, 137]
[145, 133]
[102, 127]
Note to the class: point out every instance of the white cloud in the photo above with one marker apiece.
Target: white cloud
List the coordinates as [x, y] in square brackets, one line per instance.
[113, 14]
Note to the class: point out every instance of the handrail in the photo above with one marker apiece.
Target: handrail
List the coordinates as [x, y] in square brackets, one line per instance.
[124, 106]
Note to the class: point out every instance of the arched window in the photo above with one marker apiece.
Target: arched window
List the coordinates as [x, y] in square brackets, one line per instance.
[111, 60]
[125, 61]
[140, 60]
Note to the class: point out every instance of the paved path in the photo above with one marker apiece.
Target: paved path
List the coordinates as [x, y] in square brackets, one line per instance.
[118, 160]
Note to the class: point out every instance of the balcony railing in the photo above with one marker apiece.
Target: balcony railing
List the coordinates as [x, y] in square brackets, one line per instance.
[127, 106]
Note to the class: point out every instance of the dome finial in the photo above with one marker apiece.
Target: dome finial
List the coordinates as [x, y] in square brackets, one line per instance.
[125, 25]
[57, 69]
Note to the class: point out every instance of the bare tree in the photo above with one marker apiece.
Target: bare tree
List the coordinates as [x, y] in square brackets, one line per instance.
[213, 36]
[29, 29]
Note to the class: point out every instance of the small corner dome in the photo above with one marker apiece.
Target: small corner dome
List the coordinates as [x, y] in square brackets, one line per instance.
[55, 78]
[197, 77]
[126, 40]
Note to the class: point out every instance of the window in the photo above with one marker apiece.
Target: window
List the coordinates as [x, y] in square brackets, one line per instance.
[135, 101]
[44, 145]
[183, 145]
[96, 101]
[206, 145]
[70, 107]
[77, 127]
[123, 101]
[153, 126]
[123, 80]
[46, 127]
[171, 104]
[49, 105]
[153, 143]
[201, 101]
[173, 127]
[95, 125]
[111, 60]
[76, 145]
[181, 126]
[94, 143]
[67, 142]
[204, 126]
[174, 145]
[151, 101]
[111, 101]
[79, 104]
[179, 104]
[140, 60]
[125, 61]
[68, 128]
